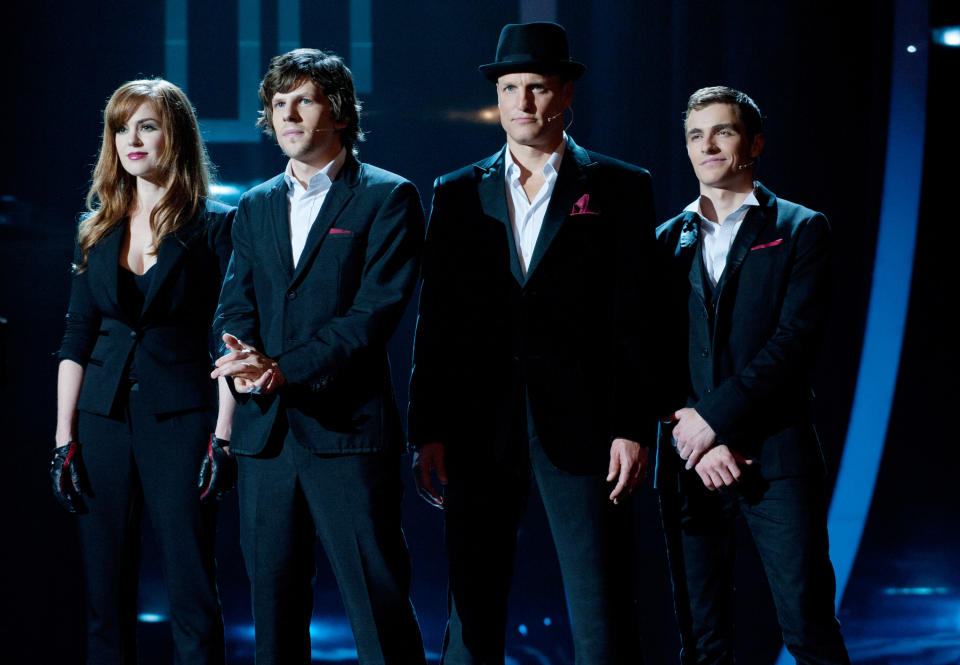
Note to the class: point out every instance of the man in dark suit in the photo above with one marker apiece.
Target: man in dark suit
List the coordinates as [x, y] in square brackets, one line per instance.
[530, 326]
[325, 259]
[748, 299]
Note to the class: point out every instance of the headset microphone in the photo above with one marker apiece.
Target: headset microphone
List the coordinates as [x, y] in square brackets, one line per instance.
[744, 166]
[554, 117]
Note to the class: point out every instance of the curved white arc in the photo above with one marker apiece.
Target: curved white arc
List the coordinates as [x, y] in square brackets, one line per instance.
[889, 293]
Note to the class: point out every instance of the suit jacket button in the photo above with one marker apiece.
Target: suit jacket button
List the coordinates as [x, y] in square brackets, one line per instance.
[705, 353]
[291, 295]
[134, 334]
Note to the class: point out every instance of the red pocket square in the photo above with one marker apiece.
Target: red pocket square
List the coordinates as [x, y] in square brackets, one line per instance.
[334, 230]
[767, 244]
[582, 207]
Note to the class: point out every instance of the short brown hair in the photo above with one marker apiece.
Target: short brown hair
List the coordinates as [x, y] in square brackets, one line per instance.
[328, 71]
[746, 109]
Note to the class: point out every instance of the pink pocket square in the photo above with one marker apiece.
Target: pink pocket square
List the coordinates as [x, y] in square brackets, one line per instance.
[582, 207]
[767, 244]
[335, 230]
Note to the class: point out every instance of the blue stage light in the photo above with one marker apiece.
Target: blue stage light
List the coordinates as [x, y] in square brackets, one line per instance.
[547, 621]
[947, 36]
[917, 591]
[150, 617]
[522, 629]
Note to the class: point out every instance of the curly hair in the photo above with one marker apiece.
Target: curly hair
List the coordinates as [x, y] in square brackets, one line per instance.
[327, 70]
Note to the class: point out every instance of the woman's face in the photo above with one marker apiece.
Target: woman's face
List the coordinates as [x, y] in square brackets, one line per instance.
[140, 142]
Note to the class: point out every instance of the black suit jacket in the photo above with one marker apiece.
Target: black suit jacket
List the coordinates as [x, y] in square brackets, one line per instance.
[571, 332]
[171, 341]
[749, 379]
[327, 321]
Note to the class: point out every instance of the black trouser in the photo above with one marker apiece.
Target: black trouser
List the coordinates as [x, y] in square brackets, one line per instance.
[484, 504]
[288, 495]
[133, 459]
[787, 520]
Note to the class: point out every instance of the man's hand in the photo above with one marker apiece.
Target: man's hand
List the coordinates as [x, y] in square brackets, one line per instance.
[628, 465]
[720, 467]
[252, 371]
[693, 435]
[430, 457]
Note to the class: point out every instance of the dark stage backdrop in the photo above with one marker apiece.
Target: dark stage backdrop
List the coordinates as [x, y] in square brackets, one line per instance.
[820, 71]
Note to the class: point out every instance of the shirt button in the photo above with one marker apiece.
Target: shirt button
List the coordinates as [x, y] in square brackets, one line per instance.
[705, 353]
[291, 295]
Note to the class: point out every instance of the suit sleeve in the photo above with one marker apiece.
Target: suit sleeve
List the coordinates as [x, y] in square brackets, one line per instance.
[388, 278]
[219, 240]
[634, 411]
[83, 317]
[785, 359]
[430, 386]
[237, 310]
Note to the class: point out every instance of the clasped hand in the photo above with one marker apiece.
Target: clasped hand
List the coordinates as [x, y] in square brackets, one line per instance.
[693, 435]
[251, 370]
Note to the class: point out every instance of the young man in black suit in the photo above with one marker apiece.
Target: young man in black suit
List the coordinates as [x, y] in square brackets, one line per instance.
[749, 296]
[325, 259]
[530, 326]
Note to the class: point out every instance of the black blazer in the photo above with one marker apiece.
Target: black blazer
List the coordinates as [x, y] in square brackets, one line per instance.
[171, 342]
[327, 322]
[750, 378]
[572, 333]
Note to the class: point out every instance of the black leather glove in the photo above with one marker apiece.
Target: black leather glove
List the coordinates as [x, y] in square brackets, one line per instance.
[66, 475]
[218, 473]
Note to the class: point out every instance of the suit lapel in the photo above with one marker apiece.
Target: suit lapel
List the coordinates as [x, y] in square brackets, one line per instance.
[171, 250]
[571, 184]
[103, 262]
[688, 251]
[493, 199]
[749, 230]
[341, 191]
[277, 213]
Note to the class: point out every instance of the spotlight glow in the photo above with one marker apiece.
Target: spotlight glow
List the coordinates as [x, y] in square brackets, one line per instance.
[947, 35]
[151, 617]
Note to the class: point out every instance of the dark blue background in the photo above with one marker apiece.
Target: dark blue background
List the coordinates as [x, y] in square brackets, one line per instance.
[819, 70]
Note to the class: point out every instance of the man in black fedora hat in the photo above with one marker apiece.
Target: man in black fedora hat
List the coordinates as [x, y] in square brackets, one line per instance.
[528, 360]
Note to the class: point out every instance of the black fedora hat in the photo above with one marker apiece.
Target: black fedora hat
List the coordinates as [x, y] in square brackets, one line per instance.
[533, 47]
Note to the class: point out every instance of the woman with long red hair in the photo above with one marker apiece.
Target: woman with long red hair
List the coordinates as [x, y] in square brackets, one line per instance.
[139, 422]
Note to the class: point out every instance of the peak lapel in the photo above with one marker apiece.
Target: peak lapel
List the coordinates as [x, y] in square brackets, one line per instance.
[278, 215]
[171, 250]
[571, 184]
[752, 224]
[493, 199]
[103, 264]
[341, 191]
[688, 251]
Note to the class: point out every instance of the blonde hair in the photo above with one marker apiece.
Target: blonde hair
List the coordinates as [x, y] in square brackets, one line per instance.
[184, 166]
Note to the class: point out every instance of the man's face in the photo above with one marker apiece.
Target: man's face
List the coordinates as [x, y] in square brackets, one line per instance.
[719, 149]
[532, 106]
[304, 125]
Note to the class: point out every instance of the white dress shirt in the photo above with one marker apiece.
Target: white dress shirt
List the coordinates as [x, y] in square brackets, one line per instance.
[526, 216]
[303, 205]
[717, 239]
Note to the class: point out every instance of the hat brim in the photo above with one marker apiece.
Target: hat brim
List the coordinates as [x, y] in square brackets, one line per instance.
[567, 68]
